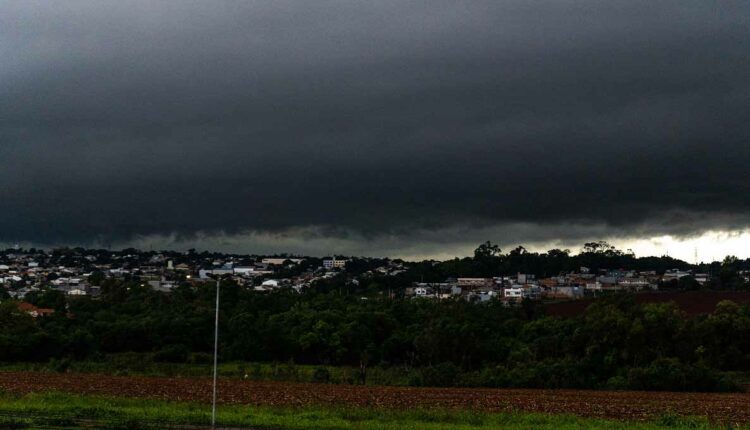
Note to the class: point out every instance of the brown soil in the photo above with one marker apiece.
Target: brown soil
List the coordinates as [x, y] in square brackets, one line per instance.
[729, 408]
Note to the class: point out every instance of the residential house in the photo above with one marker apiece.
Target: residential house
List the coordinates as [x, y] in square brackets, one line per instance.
[34, 311]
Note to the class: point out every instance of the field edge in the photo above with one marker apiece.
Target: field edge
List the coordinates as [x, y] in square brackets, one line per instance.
[69, 410]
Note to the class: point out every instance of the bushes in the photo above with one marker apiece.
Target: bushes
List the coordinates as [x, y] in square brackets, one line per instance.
[664, 374]
[321, 374]
[441, 375]
[60, 366]
[130, 361]
[172, 354]
[669, 374]
[285, 372]
[200, 358]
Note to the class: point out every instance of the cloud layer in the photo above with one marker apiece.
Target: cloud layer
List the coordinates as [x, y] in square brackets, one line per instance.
[372, 120]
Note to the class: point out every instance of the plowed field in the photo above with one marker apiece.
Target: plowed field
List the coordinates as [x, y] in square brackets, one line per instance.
[734, 408]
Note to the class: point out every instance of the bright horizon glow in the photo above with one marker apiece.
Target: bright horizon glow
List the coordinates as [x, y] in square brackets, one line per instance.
[710, 246]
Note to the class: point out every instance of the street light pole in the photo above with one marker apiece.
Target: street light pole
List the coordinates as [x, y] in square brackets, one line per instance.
[216, 354]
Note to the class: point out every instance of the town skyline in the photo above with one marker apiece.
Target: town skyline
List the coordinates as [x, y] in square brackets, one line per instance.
[709, 247]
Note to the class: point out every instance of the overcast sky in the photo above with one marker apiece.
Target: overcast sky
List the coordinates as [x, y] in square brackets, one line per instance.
[375, 127]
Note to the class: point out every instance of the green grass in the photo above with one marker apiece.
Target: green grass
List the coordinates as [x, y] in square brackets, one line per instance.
[66, 410]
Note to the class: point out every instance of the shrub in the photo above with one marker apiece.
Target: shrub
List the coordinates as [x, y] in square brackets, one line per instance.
[257, 372]
[200, 358]
[62, 365]
[131, 361]
[415, 379]
[352, 376]
[441, 375]
[669, 374]
[617, 382]
[285, 372]
[321, 374]
[172, 354]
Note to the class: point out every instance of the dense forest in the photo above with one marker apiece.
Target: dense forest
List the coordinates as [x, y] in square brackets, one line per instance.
[616, 343]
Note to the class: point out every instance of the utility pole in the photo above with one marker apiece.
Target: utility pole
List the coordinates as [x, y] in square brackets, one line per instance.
[216, 356]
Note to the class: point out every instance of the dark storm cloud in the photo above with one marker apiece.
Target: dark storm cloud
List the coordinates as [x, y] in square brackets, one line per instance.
[371, 118]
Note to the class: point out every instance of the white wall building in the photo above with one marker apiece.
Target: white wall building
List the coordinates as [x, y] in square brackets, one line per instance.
[331, 263]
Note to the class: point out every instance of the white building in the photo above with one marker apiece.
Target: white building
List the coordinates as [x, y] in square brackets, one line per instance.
[514, 292]
[533, 292]
[77, 292]
[424, 292]
[331, 263]
[636, 283]
[702, 278]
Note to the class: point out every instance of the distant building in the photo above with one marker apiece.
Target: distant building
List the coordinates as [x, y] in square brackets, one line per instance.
[280, 261]
[162, 286]
[34, 311]
[565, 292]
[475, 282]
[77, 292]
[333, 263]
[702, 278]
[206, 273]
[517, 292]
[514, 292]
[636, 283]
[674, 274]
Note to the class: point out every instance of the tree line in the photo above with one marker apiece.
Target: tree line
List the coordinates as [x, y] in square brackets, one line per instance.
[615, 343]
